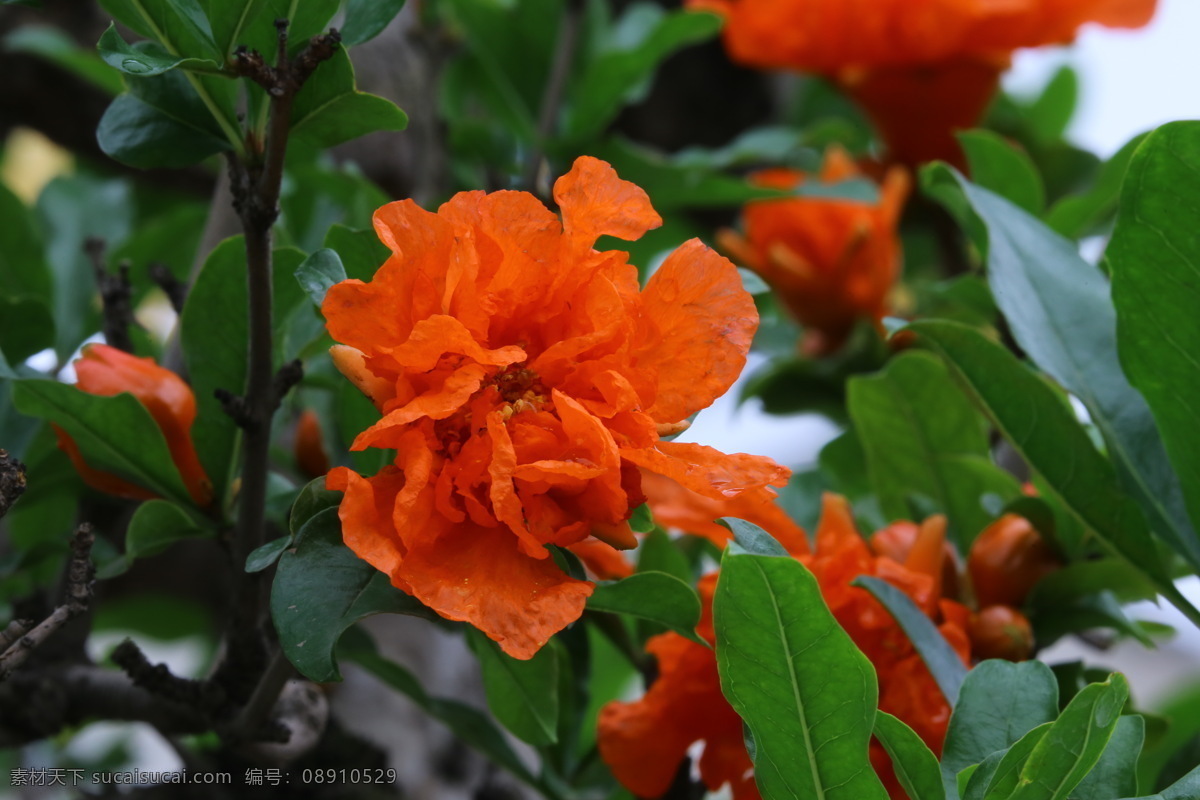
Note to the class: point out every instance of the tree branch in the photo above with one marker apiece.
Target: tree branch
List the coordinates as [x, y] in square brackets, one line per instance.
[12, 481]
[116, 296]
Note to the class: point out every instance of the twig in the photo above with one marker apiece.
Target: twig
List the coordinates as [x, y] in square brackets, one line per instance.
[13, 631]
[78, 597]
[552, 96]
[116, 296]
[159, 680]
[12, 481]
[255, 713]
[175, 289]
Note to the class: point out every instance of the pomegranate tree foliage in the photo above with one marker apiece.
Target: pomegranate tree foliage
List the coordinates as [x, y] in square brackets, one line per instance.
[823, 643]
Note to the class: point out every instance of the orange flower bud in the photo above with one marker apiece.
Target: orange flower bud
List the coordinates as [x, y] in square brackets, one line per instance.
[1001, 632]
[832, 261]
[107, 371]
[1007, 559]
[309, 447]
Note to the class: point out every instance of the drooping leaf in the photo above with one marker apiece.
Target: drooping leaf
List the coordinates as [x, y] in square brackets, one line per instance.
[114, 434]
[1058, 308]
[1154, 256]
[807, 694]
[922, 436]
[521, 694]
[944, 664]
[654, 596]
[329, 110]
[915, 764]
[998, 703]
[321, 588]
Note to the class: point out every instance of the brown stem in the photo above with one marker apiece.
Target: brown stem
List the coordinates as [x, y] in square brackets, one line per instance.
[258, 708]
[552, 96]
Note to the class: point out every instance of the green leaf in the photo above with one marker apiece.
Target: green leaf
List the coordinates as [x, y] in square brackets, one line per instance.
[658, 553]
[753, 539]
[807, 694]
[1077, 214]
[1154, 256]
[114, 434]
[1186, 788]
[1115, 774]
[654, 596]
[318, 272]
[312, 500]
[141, 135]
[621, 69]
[23, 270]
[229, 19]
[178, 25]
[321, 588]
[1049, 115]
[328, 110]
[366, 19]
[147, 60]
[157, 524]
[468, 724]
[1073, 744]
[915, 764]
[361, 252]
[1059, 310]
[999, 772]
[944, 664]
[998, 166]
[265, 555]
[60, 49]
[26, 326]
[522, 694]
[922, 436]
[214, 335]
[1044, 431]
[999, 702]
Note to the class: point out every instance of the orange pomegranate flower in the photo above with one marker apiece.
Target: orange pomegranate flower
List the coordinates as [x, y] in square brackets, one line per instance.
[524, 378]
[643, 742]
[107, 371]
[831, 261]
[309, 447]
[920, 68]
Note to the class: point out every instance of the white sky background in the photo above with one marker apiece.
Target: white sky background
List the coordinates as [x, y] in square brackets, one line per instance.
[1130, 82]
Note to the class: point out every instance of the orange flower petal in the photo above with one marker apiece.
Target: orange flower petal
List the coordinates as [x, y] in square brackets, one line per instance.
[366, 515]
[595, 203]
[706, 471]
[479, 575]
[602, 560]
[438, 335]
[704, 322]
[437, 403]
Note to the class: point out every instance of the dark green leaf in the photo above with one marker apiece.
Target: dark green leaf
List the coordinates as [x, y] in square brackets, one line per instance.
[328, 110]
[642, 519]
[626, 60]
[468, 724]
[1060, 313]
[229, 19]
[320, 589]
[60, 49]
[997, 165]
[366, 19]
[145, 61]
[806, 692]
[318, 272]
[654, 596]
[523, 695]
[999, 772]
[658, 553]
[915, 764]
[1115, 774]
[1045, 433]
[774, 146]
[26, 326]
[214, 336]
[23, 270]
[1076, 214]
[944, 664]
[922, 436]
[1186, 788]
[114, 434]
[999, 702]
[312, 500]
[1155, 257]
[139, 134]
[753, 539]
[267, 554]
[361, 252]
[178, 25]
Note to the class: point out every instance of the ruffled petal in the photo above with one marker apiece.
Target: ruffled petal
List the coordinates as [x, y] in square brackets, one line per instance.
[602, 560]
[366, 515]
[438, 402]
[595, 203]
[438, 335]
[478, 575]
[703, 322]
[708, 471]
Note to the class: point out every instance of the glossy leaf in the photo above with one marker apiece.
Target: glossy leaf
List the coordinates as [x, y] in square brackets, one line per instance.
[998, 703]
[1154, 256]
[214, 336]
[178, 25]
[923, 437]
[145, 61]
[915, 764]
[807, 694]
[944, 664]
[321, 588]
[366, 19]
[312, 500]
[998, 166]
[521, 694]
[265, 555]
[654, 596]
[318, 272]
[114, 434]
[1044, 431]
[328, 110]
[1115, 774]
[1060, 313]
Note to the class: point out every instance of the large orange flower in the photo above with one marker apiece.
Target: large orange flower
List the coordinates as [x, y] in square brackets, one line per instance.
[832, 261]
[920, 68]
[107, 371]
[645, 741]
[524, 379]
